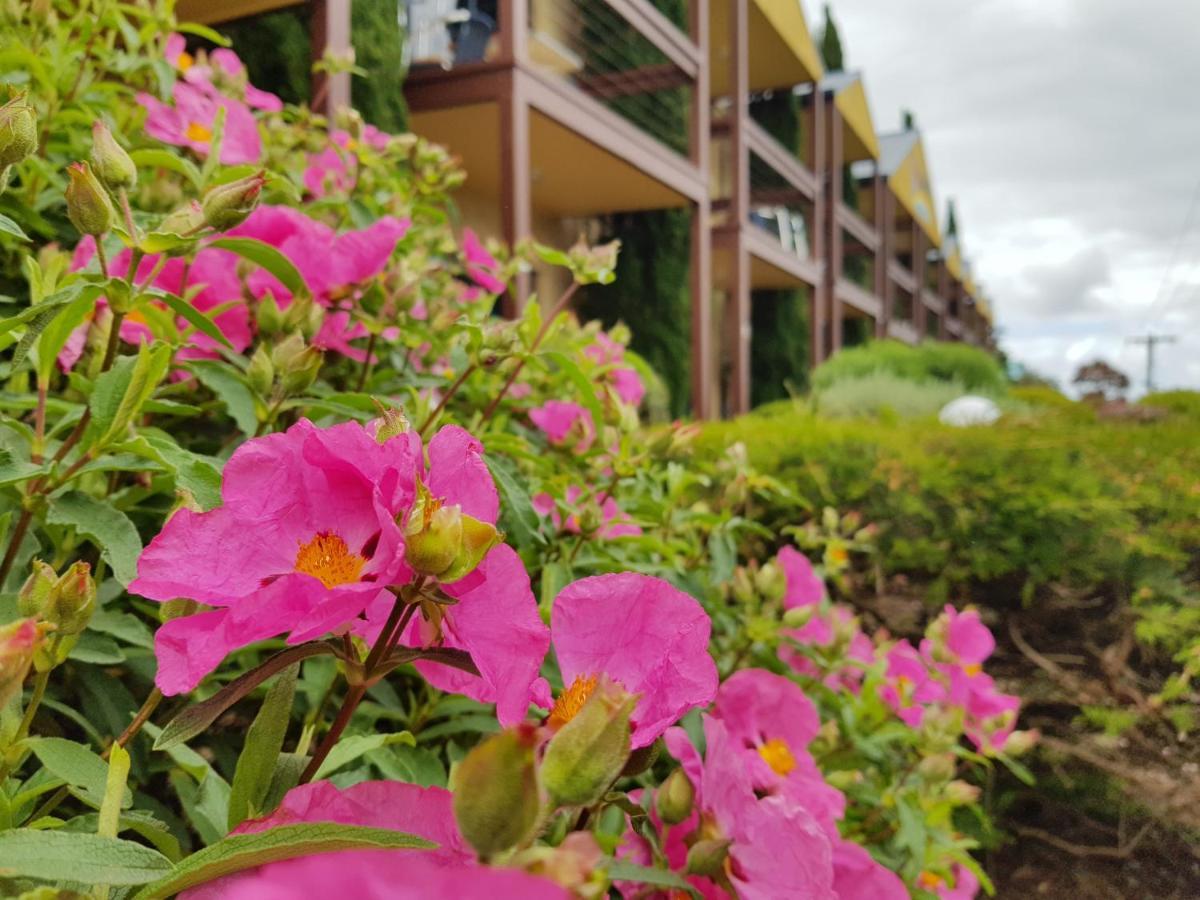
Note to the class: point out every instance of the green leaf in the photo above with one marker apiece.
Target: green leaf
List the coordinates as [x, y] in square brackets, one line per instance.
[624, 870]
[264, 740]
[77, 766]
[124, 626]
[54, 337]
[37, 318]
[246, 851]
[139, 821]
[104, 525]
[194, 317]
[266, 256]
[13, 470]
[114, 791]
[120, 393]
[348, 749]
[195, 719]
[164, 159]
[199, 474]
[518, 520]
[585, 386]
[59, 856]
[230, 389]
[9, 227]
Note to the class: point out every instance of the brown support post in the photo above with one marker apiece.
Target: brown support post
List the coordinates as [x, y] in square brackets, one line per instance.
[514, 30]
[739, 208]
[515, 202]
[704, 403]
[831, 337]
[815, 119]
[918, 272]
[330, 32]
[884, 222]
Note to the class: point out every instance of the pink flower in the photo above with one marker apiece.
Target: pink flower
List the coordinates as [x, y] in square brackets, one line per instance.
[964, 637]
[627, 384]
[305, 540]
[909, 688]
[494, 617]
[804, 586]
[778, 850]
[189, 123]
[772, 721]
[327, 172]
[640, 632]
[614, 523]
[991, 715]
[228, 69]
[965, 886]
[482, 267]
[564, 421]
[856, 876]
[450, 871]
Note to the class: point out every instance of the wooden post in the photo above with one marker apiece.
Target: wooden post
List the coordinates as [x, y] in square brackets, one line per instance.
[704, 403]
[514, 30]
[884, 221]
[330, 31]
[918, 272]
[515, 179]
[831, 338]
[823, 202]
[739, 208]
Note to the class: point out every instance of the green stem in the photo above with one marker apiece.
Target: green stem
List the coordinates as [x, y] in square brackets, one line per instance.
[450, 392]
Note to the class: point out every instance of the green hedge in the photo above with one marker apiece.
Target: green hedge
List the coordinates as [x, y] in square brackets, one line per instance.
[974, 369]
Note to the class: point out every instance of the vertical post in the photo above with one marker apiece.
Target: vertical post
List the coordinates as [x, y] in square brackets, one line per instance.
[884, 222]
[739, 207]
[831, 337]
[514, 30]
[814, 119]
[330, 32]
[918, 272]
[703, 357]
[515, 202]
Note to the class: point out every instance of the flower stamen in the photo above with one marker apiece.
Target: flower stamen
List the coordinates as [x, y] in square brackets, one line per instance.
[778, 756]
[198, 132]
[327, 558]
[571, 700]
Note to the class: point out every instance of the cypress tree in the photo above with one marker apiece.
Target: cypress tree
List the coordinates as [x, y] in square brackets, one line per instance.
[831, 44]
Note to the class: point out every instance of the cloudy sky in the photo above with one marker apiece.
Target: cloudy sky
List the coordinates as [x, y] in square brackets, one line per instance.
[1068, 132]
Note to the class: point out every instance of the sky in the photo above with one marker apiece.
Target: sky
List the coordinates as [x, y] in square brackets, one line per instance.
[1068, 134]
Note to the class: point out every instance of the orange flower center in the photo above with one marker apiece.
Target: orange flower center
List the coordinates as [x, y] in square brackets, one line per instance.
[778, 756]
[198, 132]
[930, 881]
[571, 700]
[326, 557]
[184, 61]
[972, 669]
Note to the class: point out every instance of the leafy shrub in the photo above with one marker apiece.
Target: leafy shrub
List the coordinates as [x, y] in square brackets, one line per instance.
[885, 395]
[1180, 403]
[973, 368]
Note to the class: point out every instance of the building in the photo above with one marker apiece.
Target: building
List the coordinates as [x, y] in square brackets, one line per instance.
[565, 110]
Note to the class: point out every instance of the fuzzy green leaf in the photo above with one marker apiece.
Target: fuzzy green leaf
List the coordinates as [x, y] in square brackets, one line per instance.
[59, 856]
[267, 257]
[264, 740]
[104, 525]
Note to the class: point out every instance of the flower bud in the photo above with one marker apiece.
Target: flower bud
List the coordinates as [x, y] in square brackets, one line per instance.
[391, 422]
[433, 534]
[19, 641]
[642, 759]
[587, 754]
[186, 220]
[675, 798]
[88, 206]
[228, 205]
[109, 159]
[18, 131]
[707, 857]
[770, 582]
[269, 317]
[799, 616]
[303, 315]
[261, 371]
[73, 600]
[477, 539]
[960, 793]
[1020, 742]
[938, 767]
[296, 364]
[35, 593]
[496, 798]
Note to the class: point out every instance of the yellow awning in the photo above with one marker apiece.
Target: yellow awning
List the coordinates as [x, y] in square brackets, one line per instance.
[212, 12]
[860, 141]
[953, 259]
[910, 183]
[782, 52]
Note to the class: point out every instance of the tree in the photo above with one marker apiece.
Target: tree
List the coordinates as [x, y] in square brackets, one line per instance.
[1098, 379]
[907, 120]
[951, 219]
[831, 44]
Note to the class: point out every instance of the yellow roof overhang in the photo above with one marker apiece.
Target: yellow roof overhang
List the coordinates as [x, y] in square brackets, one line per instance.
[859, 140]
[985, 309]
[954, 264]
[782, 52]
[912, 187]
[210, 12]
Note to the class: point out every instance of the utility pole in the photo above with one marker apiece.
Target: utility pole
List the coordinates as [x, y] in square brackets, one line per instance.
[1151, 341]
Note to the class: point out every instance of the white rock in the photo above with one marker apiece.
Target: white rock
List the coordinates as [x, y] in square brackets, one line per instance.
[969, 410]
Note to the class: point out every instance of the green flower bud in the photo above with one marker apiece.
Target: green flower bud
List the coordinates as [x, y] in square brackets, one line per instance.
[392, 422]
[296, 364]
[184, 221]
[1021, 742]
[261, 371]
[228, 205]
[641, 759]
[73, 600]
[771, 582]
[109, 159]
[19, 641]
[937, 767]
[88, 206]
[477, 539]
[587, 754]
[18, 131]
[798, 616]
[433, 534]
[35, 593]
[269, 317]
[675, 798]
[707, 857]
[303, 315]
[960, 793]
[496, 797]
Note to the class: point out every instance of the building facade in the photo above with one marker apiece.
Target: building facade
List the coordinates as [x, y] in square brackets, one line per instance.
[563, 111]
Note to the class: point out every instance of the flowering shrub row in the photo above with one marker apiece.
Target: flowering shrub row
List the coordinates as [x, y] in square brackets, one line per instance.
[436, 613]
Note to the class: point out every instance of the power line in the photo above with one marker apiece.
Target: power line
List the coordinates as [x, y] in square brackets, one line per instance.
[1151, 341]
[1179, 239]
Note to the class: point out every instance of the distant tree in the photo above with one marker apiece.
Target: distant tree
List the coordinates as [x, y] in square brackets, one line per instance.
[831, 44]
[1099, 380]
[951, 219]
[907, 120]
